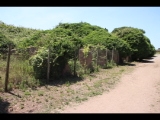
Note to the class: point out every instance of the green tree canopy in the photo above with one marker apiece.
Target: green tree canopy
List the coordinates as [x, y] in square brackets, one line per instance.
[4, 42]
[15, 33]
[81, 29]
[102, 37]
[140, 44]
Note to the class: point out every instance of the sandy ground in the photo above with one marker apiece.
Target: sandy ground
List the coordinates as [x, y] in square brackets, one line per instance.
[137, 92]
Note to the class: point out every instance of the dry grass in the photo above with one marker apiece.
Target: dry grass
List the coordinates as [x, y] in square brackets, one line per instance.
[56, 96]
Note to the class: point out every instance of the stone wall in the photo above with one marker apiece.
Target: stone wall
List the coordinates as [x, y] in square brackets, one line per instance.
[103, 56]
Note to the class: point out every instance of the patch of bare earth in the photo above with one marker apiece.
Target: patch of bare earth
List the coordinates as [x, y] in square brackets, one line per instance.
[137, 92]
[94, 93]
[55, 97]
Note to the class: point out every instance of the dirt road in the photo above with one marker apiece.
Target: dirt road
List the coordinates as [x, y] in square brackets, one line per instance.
[137, 92]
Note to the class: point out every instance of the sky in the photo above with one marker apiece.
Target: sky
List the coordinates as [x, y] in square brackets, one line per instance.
[44, 18]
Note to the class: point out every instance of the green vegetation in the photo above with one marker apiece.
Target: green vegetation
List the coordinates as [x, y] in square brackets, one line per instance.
[102, 37]
[4, 42]
[140, 44]
[20, 76]
[64, 42]
[15, 33]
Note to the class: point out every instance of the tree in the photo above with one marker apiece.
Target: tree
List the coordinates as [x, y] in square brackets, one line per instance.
[4, 44]
[63, 44]
[140, 44]
[81, 29]
[102, 37]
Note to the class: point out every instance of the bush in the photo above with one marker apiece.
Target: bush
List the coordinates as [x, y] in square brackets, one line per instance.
[4, 44]
[110, 64]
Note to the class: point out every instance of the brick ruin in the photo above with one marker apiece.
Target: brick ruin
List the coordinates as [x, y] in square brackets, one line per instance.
[103, 57]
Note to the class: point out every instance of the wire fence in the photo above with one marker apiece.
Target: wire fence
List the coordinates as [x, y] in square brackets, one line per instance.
[16, 72]
[99, 57]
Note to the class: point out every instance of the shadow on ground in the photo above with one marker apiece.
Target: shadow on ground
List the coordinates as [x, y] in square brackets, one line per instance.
[154, 56]
[72, 79]
[127, 64]
[14, 94]
[147, 60]
[4, 106]
[65, 80]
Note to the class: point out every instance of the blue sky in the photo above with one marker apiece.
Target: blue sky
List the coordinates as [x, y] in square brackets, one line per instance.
[146, 18]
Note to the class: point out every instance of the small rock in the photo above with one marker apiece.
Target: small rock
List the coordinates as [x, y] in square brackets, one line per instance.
[30, 111]
[10, 109]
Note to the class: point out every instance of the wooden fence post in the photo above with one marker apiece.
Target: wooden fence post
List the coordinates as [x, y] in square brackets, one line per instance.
[106, 57]
[75, 62]
[97, 59]
[7, 69]
[48, 66]
[112, 54]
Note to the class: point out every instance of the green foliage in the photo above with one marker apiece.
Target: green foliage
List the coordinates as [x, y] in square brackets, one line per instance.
[152, 51]
[86, 50]
[63, 44]
[27, 93]
[64, 41]
[20, 74]
[16, 34]
[79, 68]
[40, 93]
[82, 29]
[59, 56]
[102, 37]
[39, 63]
[140, 44]
[4, 43]
[37, 39]
[110, 64]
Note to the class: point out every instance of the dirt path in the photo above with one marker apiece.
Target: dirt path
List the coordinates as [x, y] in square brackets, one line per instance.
[137, 92]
